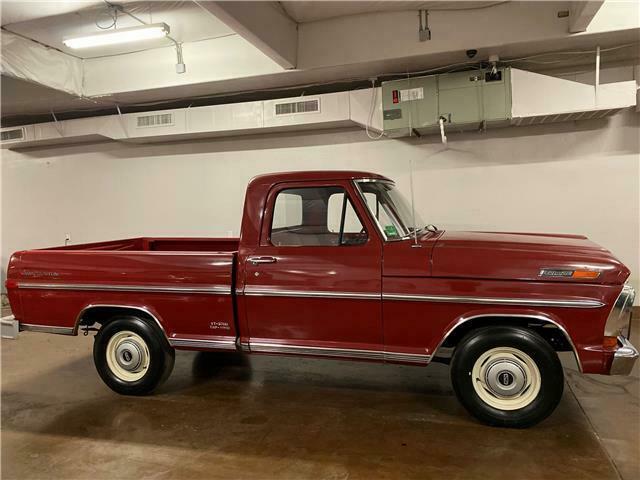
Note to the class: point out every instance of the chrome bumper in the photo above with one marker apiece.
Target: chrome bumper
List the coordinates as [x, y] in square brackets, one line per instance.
[10, 327]
[625, 357]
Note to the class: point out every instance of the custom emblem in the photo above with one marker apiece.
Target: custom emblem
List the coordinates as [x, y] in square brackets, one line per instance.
[568, 273]
[36, 273]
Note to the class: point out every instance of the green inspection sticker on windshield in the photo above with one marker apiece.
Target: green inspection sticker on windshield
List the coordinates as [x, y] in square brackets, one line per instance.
[390, 230]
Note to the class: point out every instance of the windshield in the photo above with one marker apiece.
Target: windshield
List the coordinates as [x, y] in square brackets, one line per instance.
[390, 209]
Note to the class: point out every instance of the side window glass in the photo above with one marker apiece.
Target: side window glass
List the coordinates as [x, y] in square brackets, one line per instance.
[315, 216]
[352, 223]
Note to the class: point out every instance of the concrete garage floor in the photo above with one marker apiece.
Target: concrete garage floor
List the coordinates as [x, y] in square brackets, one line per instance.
[228, 416]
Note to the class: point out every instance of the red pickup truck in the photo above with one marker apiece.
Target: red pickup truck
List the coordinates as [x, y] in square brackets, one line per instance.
[331, 264]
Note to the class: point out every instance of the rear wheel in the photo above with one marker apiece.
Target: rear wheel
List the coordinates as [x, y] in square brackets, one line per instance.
[131, 356]
[507, 376]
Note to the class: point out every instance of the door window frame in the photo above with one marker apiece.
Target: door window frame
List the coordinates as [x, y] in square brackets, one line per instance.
[352, 196]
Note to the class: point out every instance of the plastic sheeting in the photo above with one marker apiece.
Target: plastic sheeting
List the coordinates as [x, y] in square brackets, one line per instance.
[30, 61]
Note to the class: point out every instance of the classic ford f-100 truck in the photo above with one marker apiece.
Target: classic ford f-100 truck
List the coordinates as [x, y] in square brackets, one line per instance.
[331, 264]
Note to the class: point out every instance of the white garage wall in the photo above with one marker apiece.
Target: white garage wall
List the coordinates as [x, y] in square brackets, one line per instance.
[571, 178]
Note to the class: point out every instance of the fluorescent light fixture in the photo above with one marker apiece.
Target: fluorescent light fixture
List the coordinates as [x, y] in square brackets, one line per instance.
[120, 35]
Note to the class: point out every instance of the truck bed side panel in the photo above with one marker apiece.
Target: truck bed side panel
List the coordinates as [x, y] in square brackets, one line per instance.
[189, 293]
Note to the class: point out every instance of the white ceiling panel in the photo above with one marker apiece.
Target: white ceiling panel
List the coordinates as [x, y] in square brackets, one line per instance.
[15, 11]
[187, 21]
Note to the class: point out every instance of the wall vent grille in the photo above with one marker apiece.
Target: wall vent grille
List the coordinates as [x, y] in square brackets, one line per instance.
[159, 120]
[292, 108]
[12, 135]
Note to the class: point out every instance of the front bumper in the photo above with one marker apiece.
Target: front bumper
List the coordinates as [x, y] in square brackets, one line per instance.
[624, 358]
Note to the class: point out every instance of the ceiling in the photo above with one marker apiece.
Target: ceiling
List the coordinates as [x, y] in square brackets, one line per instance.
[304, 11]
[187, 22]
[191, 22]
[14, 11]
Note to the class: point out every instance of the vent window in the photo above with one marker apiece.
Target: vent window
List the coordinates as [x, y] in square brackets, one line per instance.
[307, 106]
[161, 119]
[15, 134]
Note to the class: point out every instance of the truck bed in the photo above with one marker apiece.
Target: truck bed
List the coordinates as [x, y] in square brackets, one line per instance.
[184, 284]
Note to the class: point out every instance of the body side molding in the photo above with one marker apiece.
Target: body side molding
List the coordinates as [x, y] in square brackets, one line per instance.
[263, 347]
[31, 327]
[210, 289]
[542, 302]
[583, 303]
[219, 344]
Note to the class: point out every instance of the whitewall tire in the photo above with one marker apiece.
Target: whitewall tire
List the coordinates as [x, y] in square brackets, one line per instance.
[507, 376]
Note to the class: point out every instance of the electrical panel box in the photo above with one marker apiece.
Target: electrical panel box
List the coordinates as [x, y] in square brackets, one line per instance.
[464, 100]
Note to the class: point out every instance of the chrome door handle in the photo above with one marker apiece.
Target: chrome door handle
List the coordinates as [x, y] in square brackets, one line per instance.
[258, 260]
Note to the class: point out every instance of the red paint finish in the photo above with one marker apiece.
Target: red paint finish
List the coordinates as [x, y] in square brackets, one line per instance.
[208, 290]
[185, 313]
[520, 256]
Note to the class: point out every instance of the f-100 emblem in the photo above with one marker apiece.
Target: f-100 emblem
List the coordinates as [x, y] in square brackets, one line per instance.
[219, 326]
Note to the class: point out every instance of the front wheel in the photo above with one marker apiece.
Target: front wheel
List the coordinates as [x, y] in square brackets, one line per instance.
[131, 356]
[507, 376]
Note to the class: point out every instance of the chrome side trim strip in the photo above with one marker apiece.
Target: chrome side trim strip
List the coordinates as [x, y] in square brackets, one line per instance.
[542, 318]
[423, 298]
[253, 292]
[494, 301]
[210, 289]
[46, 329]
[407, 357]
[338, 352]
[323, 351]
[203, 343]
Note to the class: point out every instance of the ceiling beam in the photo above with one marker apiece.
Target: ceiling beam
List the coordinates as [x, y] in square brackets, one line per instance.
[581, 13]
[264, 25]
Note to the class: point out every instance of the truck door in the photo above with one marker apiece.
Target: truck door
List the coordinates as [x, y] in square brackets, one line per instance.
[313, 285]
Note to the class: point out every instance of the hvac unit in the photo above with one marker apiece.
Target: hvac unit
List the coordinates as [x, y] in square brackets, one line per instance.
[462, 100]
[484, 98]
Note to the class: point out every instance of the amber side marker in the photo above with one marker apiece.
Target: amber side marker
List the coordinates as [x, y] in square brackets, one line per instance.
[585, 274]
[610, 343]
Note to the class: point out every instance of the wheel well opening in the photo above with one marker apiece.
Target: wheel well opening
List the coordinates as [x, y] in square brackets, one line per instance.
[101, 315]
[546, 329]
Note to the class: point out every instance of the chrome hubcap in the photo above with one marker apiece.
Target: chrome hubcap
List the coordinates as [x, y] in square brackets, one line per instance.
[506, 378]
[128, 356]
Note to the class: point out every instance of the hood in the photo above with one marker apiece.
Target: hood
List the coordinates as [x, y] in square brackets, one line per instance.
[522, 256]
